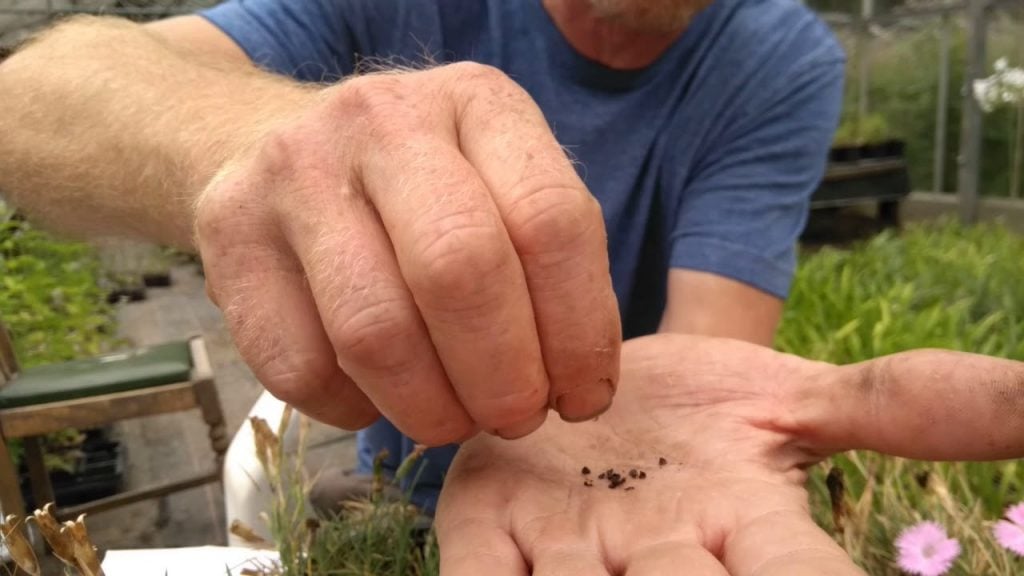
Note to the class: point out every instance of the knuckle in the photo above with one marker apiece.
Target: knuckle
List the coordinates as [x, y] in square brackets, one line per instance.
[211, 208]
[301, 382]
[375, 337]
[378, 110]
[554, 219]
[287, 152]
[513, 407]
[478, 73]
[207, 227]
[488, 98]
[453, 261]
[456, 429]
[227, 219]
[377, 100]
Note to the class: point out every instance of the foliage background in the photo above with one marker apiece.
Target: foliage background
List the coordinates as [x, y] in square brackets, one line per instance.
[904, 77]
[50, 298]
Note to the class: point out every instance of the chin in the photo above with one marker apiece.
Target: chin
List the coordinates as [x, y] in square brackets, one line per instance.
[651, 15]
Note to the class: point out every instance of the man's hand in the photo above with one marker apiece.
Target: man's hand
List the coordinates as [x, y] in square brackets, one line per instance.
[411, 243]
[416, 244]
[738, 425]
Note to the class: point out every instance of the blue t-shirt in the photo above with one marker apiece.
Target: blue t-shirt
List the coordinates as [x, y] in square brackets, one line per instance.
[704, 160]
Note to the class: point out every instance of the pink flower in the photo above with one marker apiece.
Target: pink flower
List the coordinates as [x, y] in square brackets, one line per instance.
[1010, 532]
[926, 550]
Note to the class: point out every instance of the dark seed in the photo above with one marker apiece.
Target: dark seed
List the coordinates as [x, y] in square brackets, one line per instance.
[628, 488]
[632, 473]
[642, 475]
[601, 476]
[586, 471]
[617, 482]
[609, 472]
[662, 461]
[588, 483]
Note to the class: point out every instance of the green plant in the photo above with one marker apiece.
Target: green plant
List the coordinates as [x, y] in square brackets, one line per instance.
[49, 295]
[873, 129]
[846, 134]
[372, 536]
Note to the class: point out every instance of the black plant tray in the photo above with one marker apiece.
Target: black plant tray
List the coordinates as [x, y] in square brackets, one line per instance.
[126, 294]
[156, 279]
[871, 180]
[99, 473]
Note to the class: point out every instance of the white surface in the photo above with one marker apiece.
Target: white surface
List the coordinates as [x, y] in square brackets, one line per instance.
[198, 561]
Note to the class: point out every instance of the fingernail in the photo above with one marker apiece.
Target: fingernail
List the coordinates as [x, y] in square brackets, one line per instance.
[586, 403]
[523, 428]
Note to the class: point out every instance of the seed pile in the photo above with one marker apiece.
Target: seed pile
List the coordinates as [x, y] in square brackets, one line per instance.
[615, 478]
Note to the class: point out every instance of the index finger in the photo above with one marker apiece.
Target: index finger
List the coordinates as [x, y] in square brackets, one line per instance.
[922, 404]
[557, 229]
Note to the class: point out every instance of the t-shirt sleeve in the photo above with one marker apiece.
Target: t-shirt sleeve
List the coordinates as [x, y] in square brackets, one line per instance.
[322, 40]
[309, 40]
[747, 201]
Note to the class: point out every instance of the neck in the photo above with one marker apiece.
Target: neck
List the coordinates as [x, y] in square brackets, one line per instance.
[617, 41]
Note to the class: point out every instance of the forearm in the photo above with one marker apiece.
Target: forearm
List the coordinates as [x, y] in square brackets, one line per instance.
[710, 305]
[108, 130]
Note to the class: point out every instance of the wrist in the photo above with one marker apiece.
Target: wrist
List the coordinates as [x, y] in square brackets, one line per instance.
[241, 140]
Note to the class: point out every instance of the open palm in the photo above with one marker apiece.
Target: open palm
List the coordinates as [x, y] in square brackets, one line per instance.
[736, 425]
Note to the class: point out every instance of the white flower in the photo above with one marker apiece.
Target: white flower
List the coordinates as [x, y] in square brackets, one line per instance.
[1005, 86]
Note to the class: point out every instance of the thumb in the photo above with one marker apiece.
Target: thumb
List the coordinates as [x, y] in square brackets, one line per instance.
[922, 404]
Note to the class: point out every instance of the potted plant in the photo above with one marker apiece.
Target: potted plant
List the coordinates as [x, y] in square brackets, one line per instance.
[83, 466]
[844, 143]
[873, 135]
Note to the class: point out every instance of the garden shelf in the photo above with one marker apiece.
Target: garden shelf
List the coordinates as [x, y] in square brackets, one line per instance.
[884, 181]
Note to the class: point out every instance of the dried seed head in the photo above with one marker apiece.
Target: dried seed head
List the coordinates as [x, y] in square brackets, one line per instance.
[86, 559]
[18, 545]
[53, 534]
[585, 471]
[662, 461]
[245, 532]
